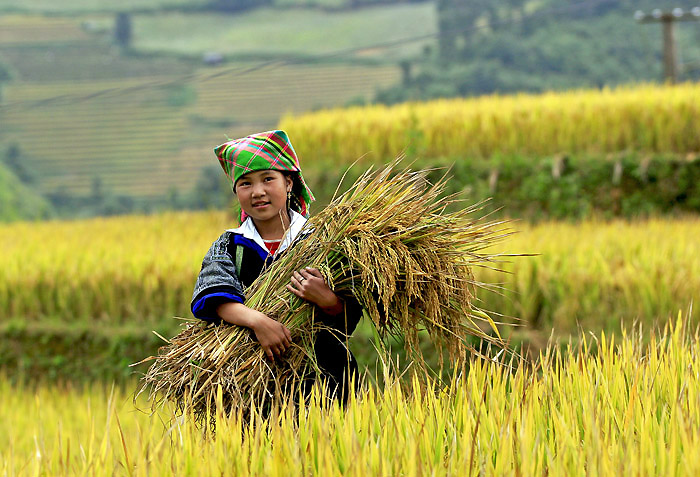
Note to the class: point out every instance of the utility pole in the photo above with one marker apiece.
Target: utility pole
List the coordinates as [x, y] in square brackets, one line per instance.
[668, 20]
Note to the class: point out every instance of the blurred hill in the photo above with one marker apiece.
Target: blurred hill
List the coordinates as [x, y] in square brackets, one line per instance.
[115, 123]
[136, 126]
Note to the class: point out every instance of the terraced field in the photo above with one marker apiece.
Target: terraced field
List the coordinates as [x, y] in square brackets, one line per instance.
[64, 7]
[79, 111]
[125, 140]
[258, 97]
[15, 29]
[377, 32]
[139, 137]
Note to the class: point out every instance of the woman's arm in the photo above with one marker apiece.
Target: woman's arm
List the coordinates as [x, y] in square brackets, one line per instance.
[217, 281]
[272, 335]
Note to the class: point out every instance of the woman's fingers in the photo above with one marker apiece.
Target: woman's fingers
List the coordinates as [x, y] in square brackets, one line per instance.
[306, 273]
[294, 290]
[297, 278]
[273, 351]
[315, 272]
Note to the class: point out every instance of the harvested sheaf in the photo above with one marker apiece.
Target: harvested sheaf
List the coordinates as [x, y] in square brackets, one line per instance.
[389, 242]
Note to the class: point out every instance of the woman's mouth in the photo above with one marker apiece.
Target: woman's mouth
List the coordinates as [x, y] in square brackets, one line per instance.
[260, 204]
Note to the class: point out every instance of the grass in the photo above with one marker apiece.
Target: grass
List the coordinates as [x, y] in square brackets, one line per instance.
[605, 407]
[289, 32]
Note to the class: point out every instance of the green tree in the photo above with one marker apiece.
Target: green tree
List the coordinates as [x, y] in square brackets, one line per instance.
[461, 23]
[5, 76]
[212, 189]
[123, 31]
[504, 46]
[17, 164]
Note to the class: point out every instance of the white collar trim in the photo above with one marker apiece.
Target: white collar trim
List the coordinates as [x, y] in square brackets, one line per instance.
[248, 230]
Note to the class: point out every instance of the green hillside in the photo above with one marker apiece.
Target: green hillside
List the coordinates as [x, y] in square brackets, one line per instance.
[19, 201]
[71, 7]
[506, 46]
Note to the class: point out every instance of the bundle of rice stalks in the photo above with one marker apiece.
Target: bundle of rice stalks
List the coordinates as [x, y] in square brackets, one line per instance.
[391, 244]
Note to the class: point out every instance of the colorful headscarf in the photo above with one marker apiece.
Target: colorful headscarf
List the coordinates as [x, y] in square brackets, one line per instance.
[260, 152]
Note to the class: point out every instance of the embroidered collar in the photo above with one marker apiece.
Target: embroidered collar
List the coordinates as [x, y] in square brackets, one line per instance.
[247, 229]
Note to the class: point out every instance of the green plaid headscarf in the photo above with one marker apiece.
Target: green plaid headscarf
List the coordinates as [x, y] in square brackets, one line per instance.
[261, 152]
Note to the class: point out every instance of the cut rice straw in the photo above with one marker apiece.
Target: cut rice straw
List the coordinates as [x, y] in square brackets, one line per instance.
[390, 243]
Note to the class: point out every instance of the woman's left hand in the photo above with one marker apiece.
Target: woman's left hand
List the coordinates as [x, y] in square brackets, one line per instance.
[308, 284]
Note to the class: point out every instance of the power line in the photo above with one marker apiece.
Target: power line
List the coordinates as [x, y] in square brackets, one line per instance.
[241, 71]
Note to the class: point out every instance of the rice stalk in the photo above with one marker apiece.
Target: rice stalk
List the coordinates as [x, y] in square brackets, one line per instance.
[390, 243]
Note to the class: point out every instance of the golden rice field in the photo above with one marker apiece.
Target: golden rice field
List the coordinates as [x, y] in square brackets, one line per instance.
[606, 407]
[646, 118]
[141, 269]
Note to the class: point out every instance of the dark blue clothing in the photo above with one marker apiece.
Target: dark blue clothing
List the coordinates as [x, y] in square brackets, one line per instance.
[221, 280]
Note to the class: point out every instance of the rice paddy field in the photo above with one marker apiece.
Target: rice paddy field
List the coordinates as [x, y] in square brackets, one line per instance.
[596, 399]
[647, 119]
[605, 311]
[141, 269]
[607, 406]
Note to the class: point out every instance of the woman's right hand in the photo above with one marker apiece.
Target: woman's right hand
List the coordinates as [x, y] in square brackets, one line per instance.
[272, 335]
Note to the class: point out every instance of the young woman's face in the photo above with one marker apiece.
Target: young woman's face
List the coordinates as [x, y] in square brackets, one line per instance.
[263, 194]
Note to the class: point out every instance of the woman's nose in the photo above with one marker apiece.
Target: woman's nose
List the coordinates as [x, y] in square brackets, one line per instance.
[258, 190]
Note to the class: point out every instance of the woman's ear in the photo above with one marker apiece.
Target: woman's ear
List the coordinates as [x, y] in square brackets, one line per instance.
[290, 183]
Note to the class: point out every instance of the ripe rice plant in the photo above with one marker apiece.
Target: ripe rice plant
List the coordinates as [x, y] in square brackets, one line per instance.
[126, 269]
[604, 407]
[595, 275]
[647, 118]
[141, 270]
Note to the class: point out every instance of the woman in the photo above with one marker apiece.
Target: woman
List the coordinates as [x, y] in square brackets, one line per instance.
[274, 198]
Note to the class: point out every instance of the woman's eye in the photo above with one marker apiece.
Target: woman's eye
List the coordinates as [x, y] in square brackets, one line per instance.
[268, 179]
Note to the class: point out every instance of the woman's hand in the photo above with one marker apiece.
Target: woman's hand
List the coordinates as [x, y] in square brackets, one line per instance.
[308, 284]
[272, 335]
